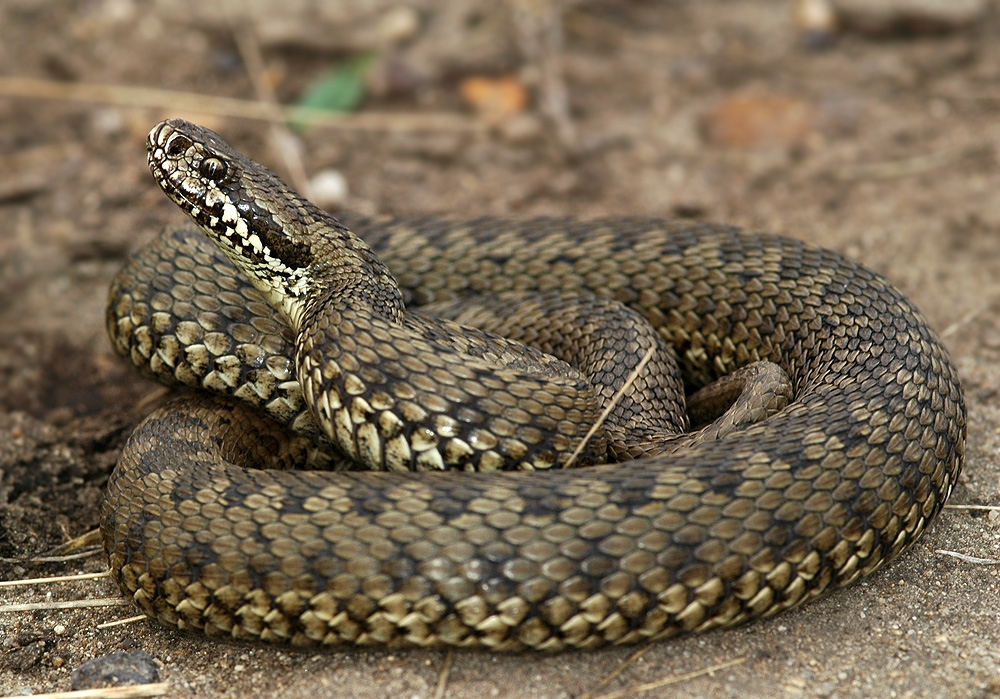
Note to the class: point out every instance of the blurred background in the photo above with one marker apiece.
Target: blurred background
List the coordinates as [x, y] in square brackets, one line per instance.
[866, 126]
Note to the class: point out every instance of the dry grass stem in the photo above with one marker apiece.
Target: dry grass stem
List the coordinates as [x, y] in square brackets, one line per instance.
[58, 578]
[62, 553]
[610, 406]
[965, 320]
[85, 539]
[55, 559]
[617, 671]
[442, 684]
[892, 169]
[969, 559]
[123, 622]
[71, 604]
[675, 679]
[144, 97]
[154, 689]
[282, 139]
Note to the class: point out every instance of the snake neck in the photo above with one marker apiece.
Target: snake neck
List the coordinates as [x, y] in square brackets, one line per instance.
[290, 249]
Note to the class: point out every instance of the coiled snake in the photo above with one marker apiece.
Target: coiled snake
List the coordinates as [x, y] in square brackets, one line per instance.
[723, 529]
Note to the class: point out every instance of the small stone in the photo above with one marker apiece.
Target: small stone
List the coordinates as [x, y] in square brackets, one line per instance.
[25, 657]
[116, 670]
[816, 22]
[328, 188]
[59, 629]
[108, 121]
[398, 24]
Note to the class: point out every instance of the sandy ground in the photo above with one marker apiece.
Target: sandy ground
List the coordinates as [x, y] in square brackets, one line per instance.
[891, 156]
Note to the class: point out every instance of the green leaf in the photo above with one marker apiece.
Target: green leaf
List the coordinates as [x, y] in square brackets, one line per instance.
[340, 89]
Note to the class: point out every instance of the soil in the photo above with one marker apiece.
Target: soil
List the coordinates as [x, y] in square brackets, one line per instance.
[888, 152]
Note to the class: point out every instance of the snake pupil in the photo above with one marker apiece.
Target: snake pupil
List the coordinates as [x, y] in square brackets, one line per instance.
[212, 168]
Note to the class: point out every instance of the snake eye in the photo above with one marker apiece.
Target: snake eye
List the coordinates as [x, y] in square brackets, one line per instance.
[212, 168]
[177, 145]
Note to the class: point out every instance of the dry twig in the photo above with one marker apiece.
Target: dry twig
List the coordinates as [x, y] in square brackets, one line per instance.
[675, 679]
[123, 622]
[154, 689]
[125, 96]
[70, 604]
[969, 559]
[893, 169]
[54, 559]
[442, 684]
[282, 139]
[617, 671]
[58, 578]
[610, 406]
[966, 319]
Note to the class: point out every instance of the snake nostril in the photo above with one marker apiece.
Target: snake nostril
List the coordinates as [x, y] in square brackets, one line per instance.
[177, 144]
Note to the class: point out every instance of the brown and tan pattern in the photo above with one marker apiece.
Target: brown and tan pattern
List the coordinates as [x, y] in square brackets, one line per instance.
[772, 514]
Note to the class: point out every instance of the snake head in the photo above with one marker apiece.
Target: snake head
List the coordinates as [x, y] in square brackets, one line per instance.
[245, 208]
[288, 247]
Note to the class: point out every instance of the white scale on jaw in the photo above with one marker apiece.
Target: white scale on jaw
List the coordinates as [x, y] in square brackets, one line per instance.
[292, 279]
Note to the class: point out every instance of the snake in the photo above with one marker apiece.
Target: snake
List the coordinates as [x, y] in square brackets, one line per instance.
[232, 515]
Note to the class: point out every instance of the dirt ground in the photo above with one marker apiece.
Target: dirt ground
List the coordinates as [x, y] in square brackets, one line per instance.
[888, 152]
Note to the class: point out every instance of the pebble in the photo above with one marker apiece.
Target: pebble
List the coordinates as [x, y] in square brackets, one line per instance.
[328, 188]
[398, 25]
[816, 22]
[116, 670]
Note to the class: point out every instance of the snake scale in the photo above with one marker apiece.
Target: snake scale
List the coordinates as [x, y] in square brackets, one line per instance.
[207, 531]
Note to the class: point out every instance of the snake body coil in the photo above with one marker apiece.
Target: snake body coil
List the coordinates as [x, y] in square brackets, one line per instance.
[829, 489]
